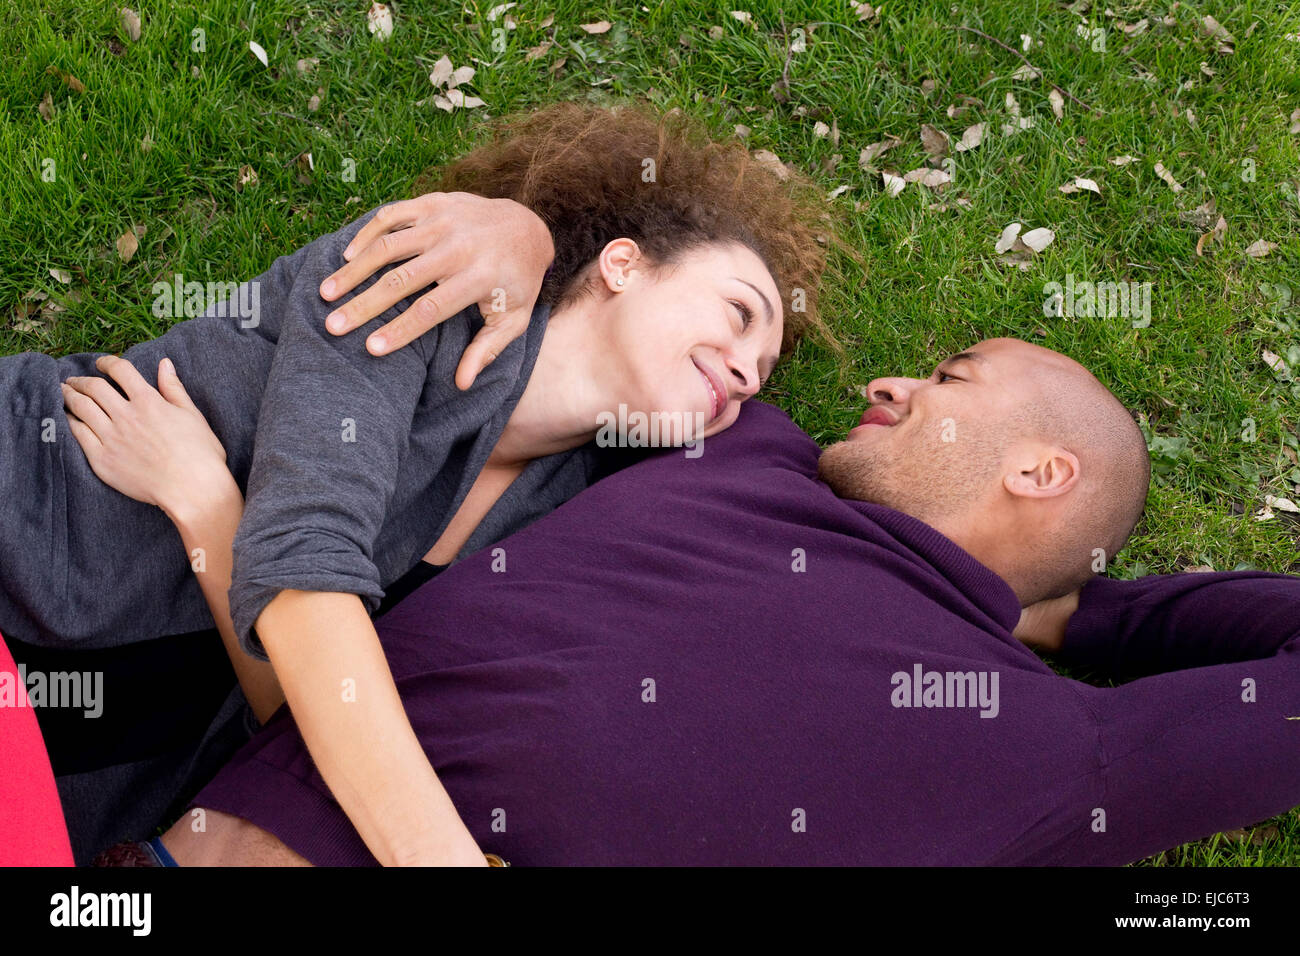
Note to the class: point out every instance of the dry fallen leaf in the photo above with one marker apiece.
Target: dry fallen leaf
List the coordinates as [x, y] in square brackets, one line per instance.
[1214, 235]
[1038, 239]
[930, 178]
[1260, 248]
[972, 137]
[1168, 177]
[127, 244]
[893, 184]
[1294, 128]
[875, 149]
[441, 71]
[130, 23]
[821, 130]
[1276, 363]
[46, 107]
[247, 177]
[600, 26]
[258, 52]
[1123, 160]
[1057, 102]
[1282, 504]
[934, 141]
[1215, 30]
[379, 19]
[61, 275]
[769, 160]
[540, 50]
[1079, 183]
[1008, 238]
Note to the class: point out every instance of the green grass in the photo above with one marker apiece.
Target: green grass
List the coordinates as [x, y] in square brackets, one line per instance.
[932, 283]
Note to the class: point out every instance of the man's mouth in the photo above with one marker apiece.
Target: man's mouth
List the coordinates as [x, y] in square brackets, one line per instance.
[717, 399]
[874, 417]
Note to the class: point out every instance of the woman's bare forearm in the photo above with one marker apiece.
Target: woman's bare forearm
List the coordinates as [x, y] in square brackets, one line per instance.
[208, 530]
[330, 663]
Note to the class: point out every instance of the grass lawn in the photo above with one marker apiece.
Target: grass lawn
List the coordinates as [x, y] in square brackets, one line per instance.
[151, 135]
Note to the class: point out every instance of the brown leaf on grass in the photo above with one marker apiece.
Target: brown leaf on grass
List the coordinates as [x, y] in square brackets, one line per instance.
[130, 23]
[61, 275]
[1216, 31]
[1122, 160]
[127, 244]
[875, 149]
[540, 50]
[1057, 102]
[1214, 235]
[1203, 216]
[46, 107]
[247, 177]
[769, 160]
[1079, 184]
[74, 84]
[934, 141]
[929, 178]
[1168, 177]
[971, 137]
[1260, 248]
[1294, 128]
[600, 26]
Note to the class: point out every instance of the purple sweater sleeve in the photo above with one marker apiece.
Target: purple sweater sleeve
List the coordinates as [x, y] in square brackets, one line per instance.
[1128, 629]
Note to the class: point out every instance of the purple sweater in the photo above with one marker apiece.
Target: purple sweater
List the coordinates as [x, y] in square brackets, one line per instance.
[715, 660]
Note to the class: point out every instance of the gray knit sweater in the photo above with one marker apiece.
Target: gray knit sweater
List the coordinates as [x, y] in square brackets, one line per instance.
[351, 465]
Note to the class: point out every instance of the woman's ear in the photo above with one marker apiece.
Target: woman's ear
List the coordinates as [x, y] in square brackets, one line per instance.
[1044, 471]
[616, 263]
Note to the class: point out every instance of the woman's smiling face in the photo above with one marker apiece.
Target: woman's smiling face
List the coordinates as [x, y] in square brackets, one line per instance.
[695, 338]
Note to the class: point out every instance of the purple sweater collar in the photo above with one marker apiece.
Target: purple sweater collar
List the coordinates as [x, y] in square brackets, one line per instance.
[981, 586]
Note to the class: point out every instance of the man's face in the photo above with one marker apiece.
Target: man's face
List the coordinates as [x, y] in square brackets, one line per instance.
[934, 447]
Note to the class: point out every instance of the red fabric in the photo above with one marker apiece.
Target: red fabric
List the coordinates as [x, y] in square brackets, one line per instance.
[32, 831]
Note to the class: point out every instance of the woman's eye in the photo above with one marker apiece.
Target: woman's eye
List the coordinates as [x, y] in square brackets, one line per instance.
[746, 314]
[945, 375]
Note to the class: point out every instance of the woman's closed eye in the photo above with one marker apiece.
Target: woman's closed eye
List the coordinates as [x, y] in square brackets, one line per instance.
[945, 375]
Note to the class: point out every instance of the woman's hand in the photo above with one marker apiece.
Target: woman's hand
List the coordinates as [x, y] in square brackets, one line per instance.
[154, 445]
[489, 252]
[1042, 624]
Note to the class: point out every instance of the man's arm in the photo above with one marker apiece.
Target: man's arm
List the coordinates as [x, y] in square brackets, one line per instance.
[1171, 622]
[489, 252]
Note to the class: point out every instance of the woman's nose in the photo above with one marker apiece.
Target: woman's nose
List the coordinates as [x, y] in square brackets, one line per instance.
[744, 373]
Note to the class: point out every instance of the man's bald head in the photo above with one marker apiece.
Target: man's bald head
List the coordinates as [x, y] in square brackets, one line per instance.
[1015, 451]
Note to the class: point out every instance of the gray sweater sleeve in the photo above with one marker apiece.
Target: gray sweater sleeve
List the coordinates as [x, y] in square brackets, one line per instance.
[333, 428]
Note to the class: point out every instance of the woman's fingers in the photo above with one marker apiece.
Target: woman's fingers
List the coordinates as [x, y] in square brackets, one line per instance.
[125, 374]
[435, 306]
[85, 408]
[85, 437]
[171, 388]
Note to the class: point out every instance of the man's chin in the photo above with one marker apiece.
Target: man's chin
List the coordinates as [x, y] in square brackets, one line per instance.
[853, 471]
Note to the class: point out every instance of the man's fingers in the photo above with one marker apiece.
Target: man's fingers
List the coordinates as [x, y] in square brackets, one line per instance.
[428, 310]
[396, 215]
[488, 344]
[85, 408]
[125, 374]
[389, 247]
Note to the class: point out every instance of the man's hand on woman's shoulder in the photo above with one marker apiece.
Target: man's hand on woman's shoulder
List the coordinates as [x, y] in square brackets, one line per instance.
[489, 252]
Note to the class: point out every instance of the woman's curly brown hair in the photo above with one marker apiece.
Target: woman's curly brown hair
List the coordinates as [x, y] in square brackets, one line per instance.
[584, 170]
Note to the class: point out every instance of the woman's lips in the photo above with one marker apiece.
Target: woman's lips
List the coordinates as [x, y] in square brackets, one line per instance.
[716, 392]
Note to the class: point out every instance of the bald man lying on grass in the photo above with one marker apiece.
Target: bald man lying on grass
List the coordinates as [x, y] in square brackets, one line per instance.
[771, 655]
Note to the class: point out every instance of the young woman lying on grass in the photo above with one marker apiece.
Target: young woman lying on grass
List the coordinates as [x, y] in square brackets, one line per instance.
[305, 476]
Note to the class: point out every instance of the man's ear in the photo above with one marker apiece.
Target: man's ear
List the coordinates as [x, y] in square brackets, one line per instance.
[1042, 471]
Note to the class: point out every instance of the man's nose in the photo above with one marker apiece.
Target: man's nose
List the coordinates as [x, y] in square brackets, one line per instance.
[893, 391]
